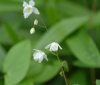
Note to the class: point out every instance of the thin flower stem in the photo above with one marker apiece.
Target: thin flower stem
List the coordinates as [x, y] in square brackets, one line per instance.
[63, 73]
[41, 22]
[62, 70]
[64, 76]
[53, 53]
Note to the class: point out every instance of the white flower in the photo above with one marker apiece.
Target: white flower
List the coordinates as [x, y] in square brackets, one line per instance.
[32, 30]
[29, 8]
[39, 56]
[53, 46]
[35, 22]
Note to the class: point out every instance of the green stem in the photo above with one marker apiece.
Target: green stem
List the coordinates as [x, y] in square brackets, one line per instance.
[64, 76]
[62, 70]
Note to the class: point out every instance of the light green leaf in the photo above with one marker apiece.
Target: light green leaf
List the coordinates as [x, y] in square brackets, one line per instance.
[84, 48]
[97, 82]
[61, 30]
[48, 72]
[10, 6]
[35, 69]
[17, 63]
[43, 72]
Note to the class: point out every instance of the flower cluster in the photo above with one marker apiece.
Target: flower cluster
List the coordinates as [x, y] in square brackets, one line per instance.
[28, 9]
[39, 55]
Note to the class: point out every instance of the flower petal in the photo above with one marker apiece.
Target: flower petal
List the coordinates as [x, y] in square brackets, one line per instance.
[36, 11]
[45, 57]
[27, 13]
[32, 30]
[32, 3]
[60, 47]
[48, 46]
[53, 46]
[39, 55]
[25, 4]
[35, 22]
[40, 59]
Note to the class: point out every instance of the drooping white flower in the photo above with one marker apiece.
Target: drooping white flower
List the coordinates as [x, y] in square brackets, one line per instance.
[39, 56]
[32, 30]
[35, 22]
[54, 46]
[29, 8]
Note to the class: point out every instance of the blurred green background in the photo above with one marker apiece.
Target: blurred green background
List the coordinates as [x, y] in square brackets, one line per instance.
[74, 24]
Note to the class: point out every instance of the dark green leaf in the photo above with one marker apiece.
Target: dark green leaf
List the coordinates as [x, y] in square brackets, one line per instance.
[79, 78]
[2, 57]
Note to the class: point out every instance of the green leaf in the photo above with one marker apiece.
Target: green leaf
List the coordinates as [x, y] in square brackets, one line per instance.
[26, 82]
[52, 12]
[61, 30]
[12, 33]
[43, 72]
[17, 63]
[35, 69]
[96, 19]
[97, 82]
[84, 48]
[81, 64]
[9, 6]
[79, 78]
[4, 38]
[48, 72]
[72, 9]
[2, 56]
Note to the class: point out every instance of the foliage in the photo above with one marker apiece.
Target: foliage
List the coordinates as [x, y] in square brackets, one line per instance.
[72, 23]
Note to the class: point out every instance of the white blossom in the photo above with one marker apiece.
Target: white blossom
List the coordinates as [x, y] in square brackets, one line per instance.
[29, 8]
[32, 30]
[35, 22]
[54, 46]
[39, 56]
